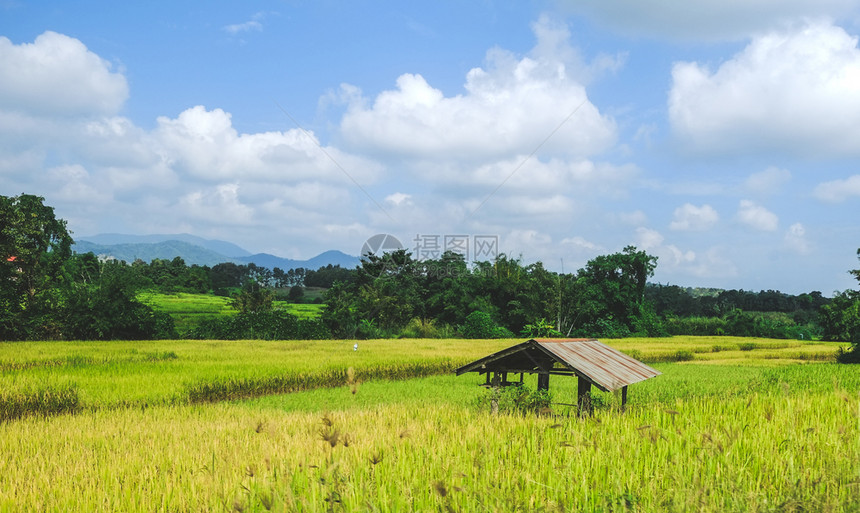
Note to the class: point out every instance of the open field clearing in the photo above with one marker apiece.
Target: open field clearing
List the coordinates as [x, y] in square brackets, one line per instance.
[754, 434]
[422, 445]
[134, 373]
[189, 310]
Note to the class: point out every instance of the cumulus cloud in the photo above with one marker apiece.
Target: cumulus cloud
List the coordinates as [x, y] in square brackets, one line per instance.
[512, 106]
[795, 90]
[768, 181]
[676, 262]
[708, 19]
[756, 216]
[220, 204]
[581, 244]
[689, 217]
[795, 239]
[837, 191]
[399, 198]
[57, 75]
[204, 143]
[646, 238]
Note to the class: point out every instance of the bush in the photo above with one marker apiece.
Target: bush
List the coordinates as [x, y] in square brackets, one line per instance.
[480, 324]
[261, 326]
[518, 399]
[421, 328]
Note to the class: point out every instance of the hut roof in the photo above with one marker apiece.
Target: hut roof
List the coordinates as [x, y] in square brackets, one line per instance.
[607, 368]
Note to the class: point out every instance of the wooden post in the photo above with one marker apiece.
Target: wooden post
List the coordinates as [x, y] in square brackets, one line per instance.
[543, 381]
[583, 399]
[624, 398]
[494, 401]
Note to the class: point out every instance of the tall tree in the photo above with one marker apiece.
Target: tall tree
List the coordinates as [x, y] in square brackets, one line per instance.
[33, 246]
[612, 290]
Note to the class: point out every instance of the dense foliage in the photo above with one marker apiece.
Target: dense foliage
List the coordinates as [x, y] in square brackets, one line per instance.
[48, 293]
[841, 320]
[493, 299]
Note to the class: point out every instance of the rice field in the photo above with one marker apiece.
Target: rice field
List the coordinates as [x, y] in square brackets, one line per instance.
[189, 310]
[747, 432]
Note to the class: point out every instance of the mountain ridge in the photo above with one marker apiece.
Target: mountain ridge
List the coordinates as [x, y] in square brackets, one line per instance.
[198, 251]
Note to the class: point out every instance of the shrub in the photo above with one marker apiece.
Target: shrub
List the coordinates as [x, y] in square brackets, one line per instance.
[517, 399]
[480, 324]
[683, 355]
[262, 326]
[420, 328]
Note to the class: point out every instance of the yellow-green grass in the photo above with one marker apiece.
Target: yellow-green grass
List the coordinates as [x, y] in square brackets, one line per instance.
[301, 310]
[118, 373]
[188, 310]
[786, 442]
[153, 372]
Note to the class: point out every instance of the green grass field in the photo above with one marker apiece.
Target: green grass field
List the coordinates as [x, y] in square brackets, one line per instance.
[746, 425]
[189, 310]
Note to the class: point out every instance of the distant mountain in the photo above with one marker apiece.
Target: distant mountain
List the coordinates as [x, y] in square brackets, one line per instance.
[199, 251]
[147, 251]
[218, 246]
[332, 257]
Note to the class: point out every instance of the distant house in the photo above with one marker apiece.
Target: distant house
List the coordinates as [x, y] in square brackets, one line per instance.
[14, 259]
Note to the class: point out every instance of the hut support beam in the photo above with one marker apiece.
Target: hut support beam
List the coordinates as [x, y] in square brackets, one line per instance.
[583, 399]
[623, 398]
[494, 401]
[543, 381]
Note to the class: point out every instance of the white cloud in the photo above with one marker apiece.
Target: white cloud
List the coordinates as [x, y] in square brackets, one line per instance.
[673, 261]
[756, 216]
[244, 27]
[254, 24]
[837, 191]
[219, 204]
[511, 107]
[797, 91]
[689, 217]
[581, 244]
[768, 181]
[708, 19]
[646, 238]
[399, 198]
[56, 75]
[635, 218]
[204, 144]
[795, 239]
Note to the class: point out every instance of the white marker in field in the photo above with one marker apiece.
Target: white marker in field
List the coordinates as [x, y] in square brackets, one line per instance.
[355, 347]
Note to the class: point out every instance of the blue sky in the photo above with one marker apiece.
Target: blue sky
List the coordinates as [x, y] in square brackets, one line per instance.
[722, 137]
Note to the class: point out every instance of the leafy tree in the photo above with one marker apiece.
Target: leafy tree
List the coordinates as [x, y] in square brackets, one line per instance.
[99, 304]
[610, 291]
[841, 320]
[253, 298]
[324, 277]
[481, 325]
[296, 293]
[33, 246]
[227, 275]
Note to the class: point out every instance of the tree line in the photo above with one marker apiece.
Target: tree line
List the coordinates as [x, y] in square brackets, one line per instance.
[48, 292]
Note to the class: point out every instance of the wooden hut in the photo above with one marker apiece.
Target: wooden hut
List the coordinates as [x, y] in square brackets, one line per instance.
[592, 362]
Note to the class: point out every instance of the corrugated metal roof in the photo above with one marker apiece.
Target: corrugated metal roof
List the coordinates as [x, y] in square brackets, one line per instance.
[607, 368]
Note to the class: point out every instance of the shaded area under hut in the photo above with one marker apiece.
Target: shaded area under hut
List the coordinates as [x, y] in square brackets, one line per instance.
[591, 361]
